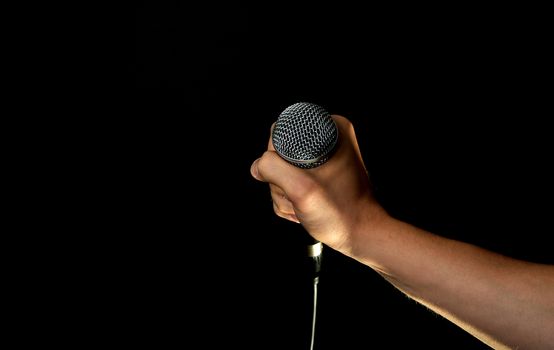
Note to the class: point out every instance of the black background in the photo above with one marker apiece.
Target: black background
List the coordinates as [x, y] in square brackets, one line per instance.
[450, 109]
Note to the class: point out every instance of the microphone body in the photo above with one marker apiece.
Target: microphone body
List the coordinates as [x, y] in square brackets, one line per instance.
[306, 136]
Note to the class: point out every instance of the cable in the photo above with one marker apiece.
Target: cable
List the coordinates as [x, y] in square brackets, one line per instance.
[316, 281]
[314, 252]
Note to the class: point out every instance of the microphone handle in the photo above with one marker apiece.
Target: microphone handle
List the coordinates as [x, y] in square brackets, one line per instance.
[314, 249]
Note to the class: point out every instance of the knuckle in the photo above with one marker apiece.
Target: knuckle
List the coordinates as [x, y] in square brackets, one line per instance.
[265, 161]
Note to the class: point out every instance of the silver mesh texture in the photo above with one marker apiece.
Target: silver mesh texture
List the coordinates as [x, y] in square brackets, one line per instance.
[305, 135]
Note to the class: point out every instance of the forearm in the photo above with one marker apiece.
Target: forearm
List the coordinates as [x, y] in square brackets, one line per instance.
[499, 300]
[502, 301]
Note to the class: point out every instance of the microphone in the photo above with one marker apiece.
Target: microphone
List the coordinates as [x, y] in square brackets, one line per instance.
[306, 136]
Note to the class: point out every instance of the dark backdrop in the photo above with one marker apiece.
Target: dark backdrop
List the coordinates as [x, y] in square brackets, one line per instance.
[449, 105]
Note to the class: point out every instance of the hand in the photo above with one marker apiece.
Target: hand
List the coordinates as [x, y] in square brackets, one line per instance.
[330, 200]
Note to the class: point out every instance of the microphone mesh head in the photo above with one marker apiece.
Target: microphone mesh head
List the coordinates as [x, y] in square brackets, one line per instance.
[305, 135]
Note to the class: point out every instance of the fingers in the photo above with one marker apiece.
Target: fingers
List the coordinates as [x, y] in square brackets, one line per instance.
[270, 143]
[273, 169]
[282, 205]
[291, 217]
[254, 170]
[345, 128]
[292, 187]
[348, 139]
[288, 183]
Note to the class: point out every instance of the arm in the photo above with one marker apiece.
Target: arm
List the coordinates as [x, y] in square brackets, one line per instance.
[504, 302]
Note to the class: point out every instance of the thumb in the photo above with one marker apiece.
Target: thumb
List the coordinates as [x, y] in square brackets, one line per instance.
[275, 170]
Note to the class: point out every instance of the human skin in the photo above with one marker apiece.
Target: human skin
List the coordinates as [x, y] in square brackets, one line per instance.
[504, 302]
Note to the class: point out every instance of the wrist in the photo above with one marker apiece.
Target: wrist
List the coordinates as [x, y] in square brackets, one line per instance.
[365, 232]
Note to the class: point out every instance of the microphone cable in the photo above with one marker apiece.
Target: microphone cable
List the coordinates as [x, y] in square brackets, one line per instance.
[316, 281]
[314, 252]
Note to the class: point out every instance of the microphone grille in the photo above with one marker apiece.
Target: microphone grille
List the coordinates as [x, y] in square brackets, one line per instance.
[305, 135]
